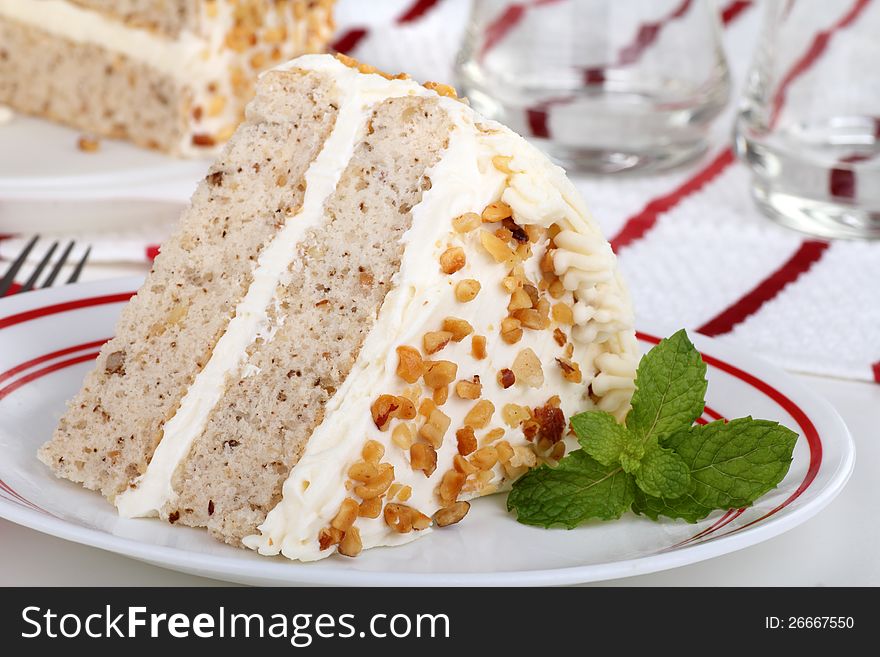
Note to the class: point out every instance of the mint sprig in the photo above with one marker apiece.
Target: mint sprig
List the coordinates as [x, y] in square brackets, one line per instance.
[659, 463]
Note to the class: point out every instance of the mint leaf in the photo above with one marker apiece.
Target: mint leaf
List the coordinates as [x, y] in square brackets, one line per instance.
[663, 473]
[578, 489]
[600, 435]
[733, 464]
[684, 507]
[631, 456]
[670, 389]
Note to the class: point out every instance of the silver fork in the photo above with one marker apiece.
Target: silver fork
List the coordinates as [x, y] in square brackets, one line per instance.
[31, 282]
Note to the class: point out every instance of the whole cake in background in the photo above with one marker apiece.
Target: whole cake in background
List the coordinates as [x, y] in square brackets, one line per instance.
[172, 75]
[378, 306]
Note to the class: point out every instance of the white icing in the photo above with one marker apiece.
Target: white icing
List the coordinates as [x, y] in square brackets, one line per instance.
[357, 95]
[464, 180]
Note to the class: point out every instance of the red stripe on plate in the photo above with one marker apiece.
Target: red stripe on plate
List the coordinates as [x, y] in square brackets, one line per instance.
[809, 253]
[152, 251]
[876, 369]
[353, 37]
[8, 374]
[36, 374]
[712, 413]
[36, 313]
[808, 429]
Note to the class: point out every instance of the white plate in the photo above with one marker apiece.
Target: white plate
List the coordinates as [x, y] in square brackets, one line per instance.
[39, 160]
[49, 338]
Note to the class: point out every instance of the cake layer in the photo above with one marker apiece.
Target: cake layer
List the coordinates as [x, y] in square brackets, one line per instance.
[343, 270]
[170, 17]
[190, 84]
[91, 89]
[167, 333]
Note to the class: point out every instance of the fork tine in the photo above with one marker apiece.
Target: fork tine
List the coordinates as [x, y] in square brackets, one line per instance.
[29, 284]
[74, 277]
[9, 277]
[62, 260]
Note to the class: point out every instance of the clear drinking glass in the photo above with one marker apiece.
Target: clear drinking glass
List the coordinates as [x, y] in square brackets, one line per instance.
[809, 124]
[603, 86]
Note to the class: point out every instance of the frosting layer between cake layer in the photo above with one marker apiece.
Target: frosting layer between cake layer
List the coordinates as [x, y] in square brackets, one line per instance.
[357, 94]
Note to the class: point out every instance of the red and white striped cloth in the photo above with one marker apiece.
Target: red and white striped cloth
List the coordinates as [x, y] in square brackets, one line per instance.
[693, 247]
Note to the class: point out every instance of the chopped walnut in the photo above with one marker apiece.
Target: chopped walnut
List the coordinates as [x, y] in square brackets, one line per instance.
[556, 289]
[467, 441]
[350, 545]
[551, 423]
[440, 373]
[402, 436]
[485, 458]
[88, 144]
[451, 514]
[373, 451]
[427, 407]
[347, 514]
[527, 368]
[410, 365]
[450, 487]
[514, 415]
[563, 314]
[495, 247]
[435, 428]
[506, 378]
[467, 290]
[377, 486]
[504, 451]
[571, 371]
[469, 389]
[466, 222]
[403, 519]
[440, 395]
[423, 457]
[523, 455]
[497, 211]
[452, 260]
[531, 319]
[519, 299]
[493, 435]
[434, 341]
[480, 415]
[388, 406]
[328, 537]
[478, 347]
[511, 330]
[458, 328]
[462, 465]
[442, 89]
[547, 265]
[560, 337]
[370, 508]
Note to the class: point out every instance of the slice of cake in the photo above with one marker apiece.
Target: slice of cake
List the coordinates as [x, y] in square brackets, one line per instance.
[173, 75]
[378, 306]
